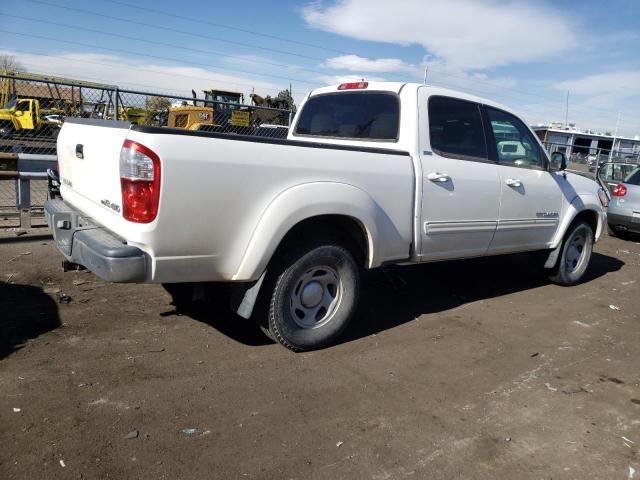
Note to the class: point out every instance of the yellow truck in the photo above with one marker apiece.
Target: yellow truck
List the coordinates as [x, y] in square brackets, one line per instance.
[20, 114]
[23, 117]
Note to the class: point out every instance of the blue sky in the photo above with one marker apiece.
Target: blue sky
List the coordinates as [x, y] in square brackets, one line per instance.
[523, 54]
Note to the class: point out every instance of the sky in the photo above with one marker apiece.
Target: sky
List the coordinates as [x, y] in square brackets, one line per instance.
[526, 55]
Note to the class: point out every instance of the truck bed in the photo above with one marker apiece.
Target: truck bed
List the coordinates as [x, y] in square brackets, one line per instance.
[224, 197]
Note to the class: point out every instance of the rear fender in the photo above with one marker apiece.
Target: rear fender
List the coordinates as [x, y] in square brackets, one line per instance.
[314, 199]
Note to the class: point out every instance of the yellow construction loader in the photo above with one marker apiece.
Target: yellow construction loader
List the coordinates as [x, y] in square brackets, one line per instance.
[222, 110]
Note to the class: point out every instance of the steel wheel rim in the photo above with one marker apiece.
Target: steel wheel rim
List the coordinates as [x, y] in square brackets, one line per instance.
[316, 297]
[576, 250]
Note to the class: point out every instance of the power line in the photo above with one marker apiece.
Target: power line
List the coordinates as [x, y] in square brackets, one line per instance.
[404, 77]
[179, 60]
[227, 27]
[166, 28]
[153, 42]
[254, 32]
[156, 42]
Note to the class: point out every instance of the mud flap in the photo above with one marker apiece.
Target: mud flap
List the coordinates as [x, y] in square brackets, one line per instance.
[243, 296]
[553, 257]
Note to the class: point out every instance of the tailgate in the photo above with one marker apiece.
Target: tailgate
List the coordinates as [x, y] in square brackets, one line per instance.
[88, 158]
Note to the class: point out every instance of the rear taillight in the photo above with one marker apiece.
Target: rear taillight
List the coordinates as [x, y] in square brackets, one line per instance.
[353, 86]
[619, 190]
[140, 182]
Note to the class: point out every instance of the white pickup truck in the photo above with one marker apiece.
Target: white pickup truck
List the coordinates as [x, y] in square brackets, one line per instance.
[370, 174]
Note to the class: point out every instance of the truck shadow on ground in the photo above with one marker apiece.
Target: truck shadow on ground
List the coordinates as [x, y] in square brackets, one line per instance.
[25, 313]
[396, 295]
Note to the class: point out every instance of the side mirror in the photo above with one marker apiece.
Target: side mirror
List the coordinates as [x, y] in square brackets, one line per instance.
[558, 161]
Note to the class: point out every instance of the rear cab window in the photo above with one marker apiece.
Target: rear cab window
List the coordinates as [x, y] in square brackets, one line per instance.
[369, 115]
[455, 129]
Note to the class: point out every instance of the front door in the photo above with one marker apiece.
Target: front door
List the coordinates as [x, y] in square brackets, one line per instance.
[460, 185]
[531, 195]
[25, 115]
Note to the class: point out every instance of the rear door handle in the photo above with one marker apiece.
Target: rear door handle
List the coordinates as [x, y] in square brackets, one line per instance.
[513, 182]
[79, 150]
[438, 177]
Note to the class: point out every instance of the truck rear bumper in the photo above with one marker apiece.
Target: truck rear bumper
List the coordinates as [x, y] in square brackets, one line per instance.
[86, 243]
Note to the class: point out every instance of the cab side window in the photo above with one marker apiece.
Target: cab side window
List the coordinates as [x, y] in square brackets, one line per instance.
[455, 129]
[515, 144]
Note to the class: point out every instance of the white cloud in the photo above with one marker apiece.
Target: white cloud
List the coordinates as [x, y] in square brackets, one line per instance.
[622, 84]
[137, 74]
[355, 63]
[465, 34]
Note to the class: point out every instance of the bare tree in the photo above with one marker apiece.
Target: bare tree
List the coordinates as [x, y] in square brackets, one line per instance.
[9, 63]
[157, 104]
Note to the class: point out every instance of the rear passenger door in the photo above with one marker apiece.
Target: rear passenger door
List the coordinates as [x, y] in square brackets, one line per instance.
[460, 185]
[531, 196]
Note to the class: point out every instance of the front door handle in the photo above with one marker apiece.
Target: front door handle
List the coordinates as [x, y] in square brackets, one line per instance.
[513, 182]
[438, 177]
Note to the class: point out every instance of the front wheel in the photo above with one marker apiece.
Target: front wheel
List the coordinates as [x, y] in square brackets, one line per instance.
[575, 255]
[313, 298]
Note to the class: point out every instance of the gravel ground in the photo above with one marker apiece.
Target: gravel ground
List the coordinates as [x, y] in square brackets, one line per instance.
[470, 369]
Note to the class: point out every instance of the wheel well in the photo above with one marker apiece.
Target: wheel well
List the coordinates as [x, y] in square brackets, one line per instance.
[347, 231]
[590, 217]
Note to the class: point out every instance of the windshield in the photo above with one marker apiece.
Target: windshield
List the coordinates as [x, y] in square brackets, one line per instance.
[362, 115]
[11, 103]
[219, 97]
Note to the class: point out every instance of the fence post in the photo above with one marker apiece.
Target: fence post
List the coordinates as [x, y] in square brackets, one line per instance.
[116, 115]
[24, 201]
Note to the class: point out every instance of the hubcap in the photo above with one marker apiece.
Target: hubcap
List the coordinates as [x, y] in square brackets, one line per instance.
[576, 251]
[316, 297]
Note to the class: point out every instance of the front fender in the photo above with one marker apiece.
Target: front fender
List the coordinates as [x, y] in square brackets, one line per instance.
[304, 201]
[581, 202]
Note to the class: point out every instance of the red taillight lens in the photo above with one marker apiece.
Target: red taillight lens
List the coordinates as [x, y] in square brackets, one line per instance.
[140, 182]
[353, 86]
[619, 191]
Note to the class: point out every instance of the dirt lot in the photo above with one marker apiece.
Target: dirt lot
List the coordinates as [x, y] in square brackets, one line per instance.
[474, 369]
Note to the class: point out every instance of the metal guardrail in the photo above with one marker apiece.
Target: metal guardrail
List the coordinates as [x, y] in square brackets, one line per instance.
[19, 174]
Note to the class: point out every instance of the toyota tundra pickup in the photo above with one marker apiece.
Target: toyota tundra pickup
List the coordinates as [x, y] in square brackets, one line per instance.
[371, 174]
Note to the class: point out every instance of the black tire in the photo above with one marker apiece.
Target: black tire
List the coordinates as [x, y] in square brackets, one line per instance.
[312, 296]
[575, 255]
[616, 233]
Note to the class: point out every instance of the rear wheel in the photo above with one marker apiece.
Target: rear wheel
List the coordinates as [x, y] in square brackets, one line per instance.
[575, 254]
[312, 297]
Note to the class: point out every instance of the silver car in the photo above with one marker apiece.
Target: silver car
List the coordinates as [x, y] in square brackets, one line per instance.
[624, 210]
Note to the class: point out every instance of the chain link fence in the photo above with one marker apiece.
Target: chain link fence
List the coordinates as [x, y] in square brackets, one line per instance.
[11, 215]
[35, 107]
